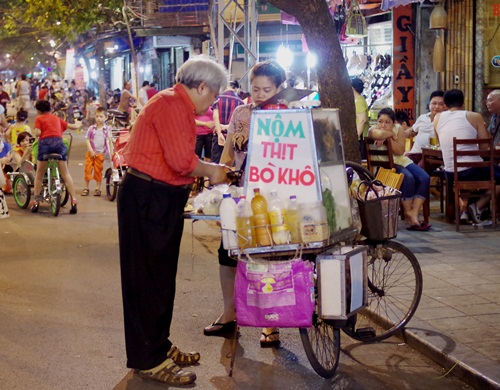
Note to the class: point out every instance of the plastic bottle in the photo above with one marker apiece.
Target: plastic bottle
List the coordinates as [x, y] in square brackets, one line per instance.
[261, 219]
[278, 219]
[228, 222]
[293, 219]
[244, 225]
[313, 222]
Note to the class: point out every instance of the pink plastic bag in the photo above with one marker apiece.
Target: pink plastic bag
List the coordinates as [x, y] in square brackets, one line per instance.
[275, 294]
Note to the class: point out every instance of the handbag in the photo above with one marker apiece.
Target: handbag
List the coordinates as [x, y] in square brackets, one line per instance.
[275, 293]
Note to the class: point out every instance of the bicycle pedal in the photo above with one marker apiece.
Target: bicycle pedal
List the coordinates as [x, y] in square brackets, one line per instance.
[365, 333]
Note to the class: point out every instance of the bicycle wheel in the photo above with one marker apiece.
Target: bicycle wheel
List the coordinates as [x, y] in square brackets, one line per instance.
[111, 186]
[61, 114]
[394, 291]
[322, 347]
[64, 195]
[21, 191]
[55, 204]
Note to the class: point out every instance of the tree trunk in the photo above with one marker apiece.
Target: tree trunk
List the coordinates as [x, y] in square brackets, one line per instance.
[333, 79]
[101, 81]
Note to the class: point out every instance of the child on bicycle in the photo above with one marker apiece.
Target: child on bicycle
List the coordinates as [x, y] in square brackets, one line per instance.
[51, 128]
[98, 140]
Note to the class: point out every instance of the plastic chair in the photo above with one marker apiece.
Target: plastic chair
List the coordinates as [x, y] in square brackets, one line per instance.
[390, 178]
[468, 189]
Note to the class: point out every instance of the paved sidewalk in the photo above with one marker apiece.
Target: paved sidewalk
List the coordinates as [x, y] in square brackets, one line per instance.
[458, 320]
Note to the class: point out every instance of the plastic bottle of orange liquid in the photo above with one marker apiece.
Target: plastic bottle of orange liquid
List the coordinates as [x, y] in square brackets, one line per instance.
[244, 225]
[261, 219]
[292, 214]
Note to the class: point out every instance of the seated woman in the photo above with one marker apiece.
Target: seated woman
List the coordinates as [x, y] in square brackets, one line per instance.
[415, 188]
[22, 152]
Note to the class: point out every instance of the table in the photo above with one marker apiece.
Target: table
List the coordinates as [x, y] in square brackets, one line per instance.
[432, 160]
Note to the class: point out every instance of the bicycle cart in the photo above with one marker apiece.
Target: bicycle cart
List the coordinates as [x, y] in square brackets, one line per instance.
[114, 175]
[368, 288]
[53, 189]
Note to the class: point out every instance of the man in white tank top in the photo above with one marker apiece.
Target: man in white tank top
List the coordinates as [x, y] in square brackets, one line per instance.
[462, 124]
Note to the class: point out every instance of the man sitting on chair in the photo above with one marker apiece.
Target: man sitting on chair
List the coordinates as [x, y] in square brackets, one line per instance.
[461, 124]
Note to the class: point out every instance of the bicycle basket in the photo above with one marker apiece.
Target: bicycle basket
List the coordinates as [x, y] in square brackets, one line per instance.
[379, 216]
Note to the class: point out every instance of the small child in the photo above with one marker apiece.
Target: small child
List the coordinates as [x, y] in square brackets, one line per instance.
[19, 127]
[98, 140]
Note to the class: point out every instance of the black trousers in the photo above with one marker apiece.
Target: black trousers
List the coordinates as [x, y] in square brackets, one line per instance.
[150, 228]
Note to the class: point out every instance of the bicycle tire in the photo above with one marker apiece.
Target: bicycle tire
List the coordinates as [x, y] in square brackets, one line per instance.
[394, 292]
[61, 114]
[111, 186]
[362, 173]
[322, 347]
[55, 204]
[21, 191]
[64, 194]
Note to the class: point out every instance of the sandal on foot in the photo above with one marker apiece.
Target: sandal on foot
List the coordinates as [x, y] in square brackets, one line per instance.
[182, 358]
[267, 342]
[85, 192]
[170, 373]
[220, 329]
[35, 206]
[97, 193]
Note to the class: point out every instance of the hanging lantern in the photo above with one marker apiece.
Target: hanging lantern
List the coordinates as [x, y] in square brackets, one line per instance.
[438, 18]
[438, 55]
[355, 25]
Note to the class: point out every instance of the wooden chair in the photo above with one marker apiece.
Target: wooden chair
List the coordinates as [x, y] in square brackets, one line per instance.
[467, 189]
[390, 178]
[379, 157]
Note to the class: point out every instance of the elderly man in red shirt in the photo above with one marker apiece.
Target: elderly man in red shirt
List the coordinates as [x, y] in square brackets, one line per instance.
[162, 164]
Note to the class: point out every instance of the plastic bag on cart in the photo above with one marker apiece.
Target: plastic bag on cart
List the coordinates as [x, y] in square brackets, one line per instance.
[208, 201]
[275, 293]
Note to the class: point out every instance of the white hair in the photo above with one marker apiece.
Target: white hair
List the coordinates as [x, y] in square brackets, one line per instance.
[200, 69]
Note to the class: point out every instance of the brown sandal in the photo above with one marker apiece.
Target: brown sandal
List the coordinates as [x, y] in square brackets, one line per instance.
[182, 358]
[85, 192]
[170, 373]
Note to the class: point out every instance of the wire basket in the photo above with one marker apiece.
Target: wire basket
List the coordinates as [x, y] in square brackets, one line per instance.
[379, 217]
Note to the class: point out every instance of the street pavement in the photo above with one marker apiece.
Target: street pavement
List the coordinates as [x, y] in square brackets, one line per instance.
[61, 321]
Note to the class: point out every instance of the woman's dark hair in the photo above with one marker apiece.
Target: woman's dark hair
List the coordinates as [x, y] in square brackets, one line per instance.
[271, 69]
[357, 84]
[454, 98]
[22, 136]
[387, 111]
[42, 106]
[22, 115]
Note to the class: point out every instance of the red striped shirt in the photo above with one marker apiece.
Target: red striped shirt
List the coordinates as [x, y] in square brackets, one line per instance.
[164, 136]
